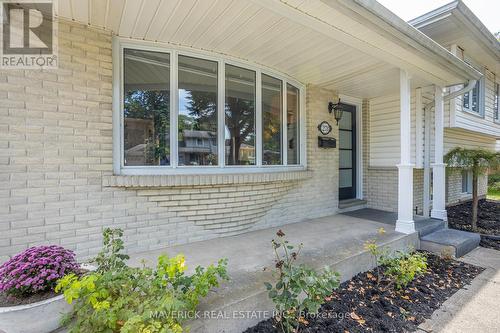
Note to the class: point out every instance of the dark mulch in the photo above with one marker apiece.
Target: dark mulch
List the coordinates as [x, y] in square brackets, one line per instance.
[6, 300]
[490, 242]
[488, 217]
[359, 305]
[488, 220]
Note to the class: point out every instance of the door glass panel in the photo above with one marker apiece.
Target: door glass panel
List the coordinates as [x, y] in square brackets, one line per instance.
[345, 158]
[346, 121]
[345, 140]
[271, 120]
[345, 178]
[240, 116]
[146, 108]
[197, 122]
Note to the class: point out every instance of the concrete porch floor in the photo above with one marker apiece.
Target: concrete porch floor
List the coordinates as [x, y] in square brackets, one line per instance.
[337, 241]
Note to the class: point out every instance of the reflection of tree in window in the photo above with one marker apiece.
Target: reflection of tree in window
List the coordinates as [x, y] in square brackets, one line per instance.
[293, 134]
[151, 105]
[146, 108]
[197, 111]
[240, 116]
[271, 120]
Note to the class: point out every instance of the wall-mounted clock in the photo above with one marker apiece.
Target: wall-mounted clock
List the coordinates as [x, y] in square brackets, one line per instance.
[325, 128]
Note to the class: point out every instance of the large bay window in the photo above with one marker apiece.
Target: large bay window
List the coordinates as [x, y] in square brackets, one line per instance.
[182, 112]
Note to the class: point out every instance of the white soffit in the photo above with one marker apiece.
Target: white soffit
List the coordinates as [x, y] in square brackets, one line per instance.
[270, 33]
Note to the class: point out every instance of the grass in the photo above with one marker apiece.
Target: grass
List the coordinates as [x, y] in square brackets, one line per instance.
[493, 194]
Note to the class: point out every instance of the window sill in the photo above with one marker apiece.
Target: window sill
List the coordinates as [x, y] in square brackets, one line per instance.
[472, 113]
[135, 181]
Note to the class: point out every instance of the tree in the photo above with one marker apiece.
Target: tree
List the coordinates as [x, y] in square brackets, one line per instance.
[478, 161]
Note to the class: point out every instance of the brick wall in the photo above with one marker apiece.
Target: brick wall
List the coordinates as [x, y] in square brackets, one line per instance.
[56, 153]
[454, 193]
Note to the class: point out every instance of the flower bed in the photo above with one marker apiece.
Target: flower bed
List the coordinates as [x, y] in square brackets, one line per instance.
[360, 305]
[488, 223]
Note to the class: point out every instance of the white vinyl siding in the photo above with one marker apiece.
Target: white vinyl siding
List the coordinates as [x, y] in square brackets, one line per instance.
[460, 138]
[385, 130]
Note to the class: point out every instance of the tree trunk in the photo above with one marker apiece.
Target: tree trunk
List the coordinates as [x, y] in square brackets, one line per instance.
[475, 199]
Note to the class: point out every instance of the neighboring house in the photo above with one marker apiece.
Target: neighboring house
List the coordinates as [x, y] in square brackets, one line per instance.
[102, 140]
[197, 147]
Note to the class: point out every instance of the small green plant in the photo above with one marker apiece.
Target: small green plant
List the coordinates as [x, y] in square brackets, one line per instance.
[376, 252]
[118, 298]
[402, 268]
[110, 257]
[299, 289]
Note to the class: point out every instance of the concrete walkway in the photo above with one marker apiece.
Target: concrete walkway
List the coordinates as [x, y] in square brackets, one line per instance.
[475, 309]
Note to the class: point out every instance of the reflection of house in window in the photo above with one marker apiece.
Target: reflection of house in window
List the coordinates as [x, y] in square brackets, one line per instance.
[198, 148]
[138, 135]
[247, 153]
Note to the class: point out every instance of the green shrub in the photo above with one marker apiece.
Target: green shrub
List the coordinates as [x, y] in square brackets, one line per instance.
[494, 178]
[118, 298]
[298, 288]
[404, 267]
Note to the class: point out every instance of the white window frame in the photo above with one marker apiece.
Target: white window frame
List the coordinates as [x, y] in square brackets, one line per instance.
[120, 43]
[481, 93]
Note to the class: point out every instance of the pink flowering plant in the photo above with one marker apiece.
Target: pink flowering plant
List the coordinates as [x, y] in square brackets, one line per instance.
[36, 269]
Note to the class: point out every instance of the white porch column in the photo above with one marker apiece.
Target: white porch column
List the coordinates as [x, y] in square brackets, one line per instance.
[405, 223]
[438, 168]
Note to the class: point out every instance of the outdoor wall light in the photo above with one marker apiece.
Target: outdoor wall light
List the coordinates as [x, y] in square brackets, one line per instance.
[336, 108]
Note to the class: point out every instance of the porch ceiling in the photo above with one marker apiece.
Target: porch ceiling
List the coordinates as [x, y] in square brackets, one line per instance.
[280, 36]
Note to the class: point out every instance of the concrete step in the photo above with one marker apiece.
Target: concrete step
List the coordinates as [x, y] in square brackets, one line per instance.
[450, 242]
[351, 205]
[428, 226]
[337, 241]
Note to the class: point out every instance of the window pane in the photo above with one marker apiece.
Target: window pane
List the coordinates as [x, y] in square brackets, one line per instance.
[464, 181]
[475, 98]
[292, 124]
[146, 108]
[345, 157]
[197, 122]
[466, 100]
[345, 139]
[240, 116]
[496, 101]
[346, 121]
[345, 178]
[271, 120]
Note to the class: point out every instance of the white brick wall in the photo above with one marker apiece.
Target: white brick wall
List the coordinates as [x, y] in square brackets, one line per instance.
[56, 152]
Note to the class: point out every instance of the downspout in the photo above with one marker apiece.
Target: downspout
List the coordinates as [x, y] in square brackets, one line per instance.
[427, 142]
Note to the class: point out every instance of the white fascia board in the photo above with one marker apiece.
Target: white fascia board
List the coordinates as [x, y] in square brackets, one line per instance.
[469, 20]
[406, 33]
